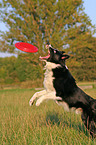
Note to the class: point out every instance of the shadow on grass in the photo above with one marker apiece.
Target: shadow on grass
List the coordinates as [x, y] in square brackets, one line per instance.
[54, 118]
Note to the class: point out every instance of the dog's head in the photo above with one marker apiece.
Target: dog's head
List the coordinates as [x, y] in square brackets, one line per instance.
[55, 56]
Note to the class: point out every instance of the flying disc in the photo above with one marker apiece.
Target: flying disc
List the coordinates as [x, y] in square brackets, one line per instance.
[26, 47]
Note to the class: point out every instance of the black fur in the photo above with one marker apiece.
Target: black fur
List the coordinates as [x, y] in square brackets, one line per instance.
[66, 88]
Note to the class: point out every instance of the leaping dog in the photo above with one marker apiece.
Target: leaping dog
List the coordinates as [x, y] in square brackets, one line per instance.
[60, 86]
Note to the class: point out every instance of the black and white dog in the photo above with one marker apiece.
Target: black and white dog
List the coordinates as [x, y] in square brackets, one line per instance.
[60, 86]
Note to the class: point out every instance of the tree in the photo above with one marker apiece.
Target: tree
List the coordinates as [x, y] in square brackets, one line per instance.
[83, 63]
[7, 70]
[16, 70]
[38, 21]
[61, 22]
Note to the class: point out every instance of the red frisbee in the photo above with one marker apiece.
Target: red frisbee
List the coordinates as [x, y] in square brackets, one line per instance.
[26, 47]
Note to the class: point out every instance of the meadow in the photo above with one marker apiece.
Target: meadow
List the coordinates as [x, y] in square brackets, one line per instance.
[47, 124]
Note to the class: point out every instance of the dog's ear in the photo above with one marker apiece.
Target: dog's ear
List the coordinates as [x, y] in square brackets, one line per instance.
[65, 56]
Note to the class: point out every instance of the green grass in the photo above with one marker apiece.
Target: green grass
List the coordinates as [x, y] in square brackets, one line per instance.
[47, 124]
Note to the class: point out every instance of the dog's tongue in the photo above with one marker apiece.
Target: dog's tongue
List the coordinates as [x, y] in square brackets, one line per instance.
[45, 57]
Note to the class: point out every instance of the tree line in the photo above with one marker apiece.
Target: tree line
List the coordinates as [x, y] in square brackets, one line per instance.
[61, 22]
[24, 68]
[16, 70]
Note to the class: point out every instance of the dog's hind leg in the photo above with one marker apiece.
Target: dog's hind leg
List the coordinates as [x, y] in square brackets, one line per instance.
[36, 95]
[50, 95]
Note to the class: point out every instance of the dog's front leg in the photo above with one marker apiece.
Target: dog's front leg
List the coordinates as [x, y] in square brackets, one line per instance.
[47, 96]
[36, 95]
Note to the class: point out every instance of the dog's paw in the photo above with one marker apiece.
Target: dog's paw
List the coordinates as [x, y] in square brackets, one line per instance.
[32, 99]
[38, 102]
[31, 102]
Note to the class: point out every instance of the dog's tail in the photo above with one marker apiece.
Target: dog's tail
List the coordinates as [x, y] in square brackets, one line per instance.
[92, 125]
[93, 108]
[89, 118]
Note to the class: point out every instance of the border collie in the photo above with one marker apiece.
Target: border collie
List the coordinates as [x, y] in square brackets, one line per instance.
[60, 86]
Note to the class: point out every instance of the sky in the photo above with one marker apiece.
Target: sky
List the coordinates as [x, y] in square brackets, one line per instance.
[90, 10]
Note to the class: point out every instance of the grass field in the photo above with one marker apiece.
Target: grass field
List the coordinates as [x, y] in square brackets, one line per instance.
[47, 124]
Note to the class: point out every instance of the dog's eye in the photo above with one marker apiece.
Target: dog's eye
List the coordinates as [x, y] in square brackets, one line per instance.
[54, 51]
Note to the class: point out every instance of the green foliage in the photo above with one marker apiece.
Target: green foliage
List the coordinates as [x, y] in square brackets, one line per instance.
[7, 70]
[27, 69]
[47, 124]
[83, 63]
[14, 70]
[38, 21]
[62, 22]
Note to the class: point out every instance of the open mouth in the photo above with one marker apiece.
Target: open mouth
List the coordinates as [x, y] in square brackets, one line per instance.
[45, 57]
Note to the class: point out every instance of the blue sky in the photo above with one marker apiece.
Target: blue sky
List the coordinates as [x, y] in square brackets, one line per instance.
[90, 10]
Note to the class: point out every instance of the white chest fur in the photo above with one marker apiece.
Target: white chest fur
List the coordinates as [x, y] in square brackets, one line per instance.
[48, 79]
